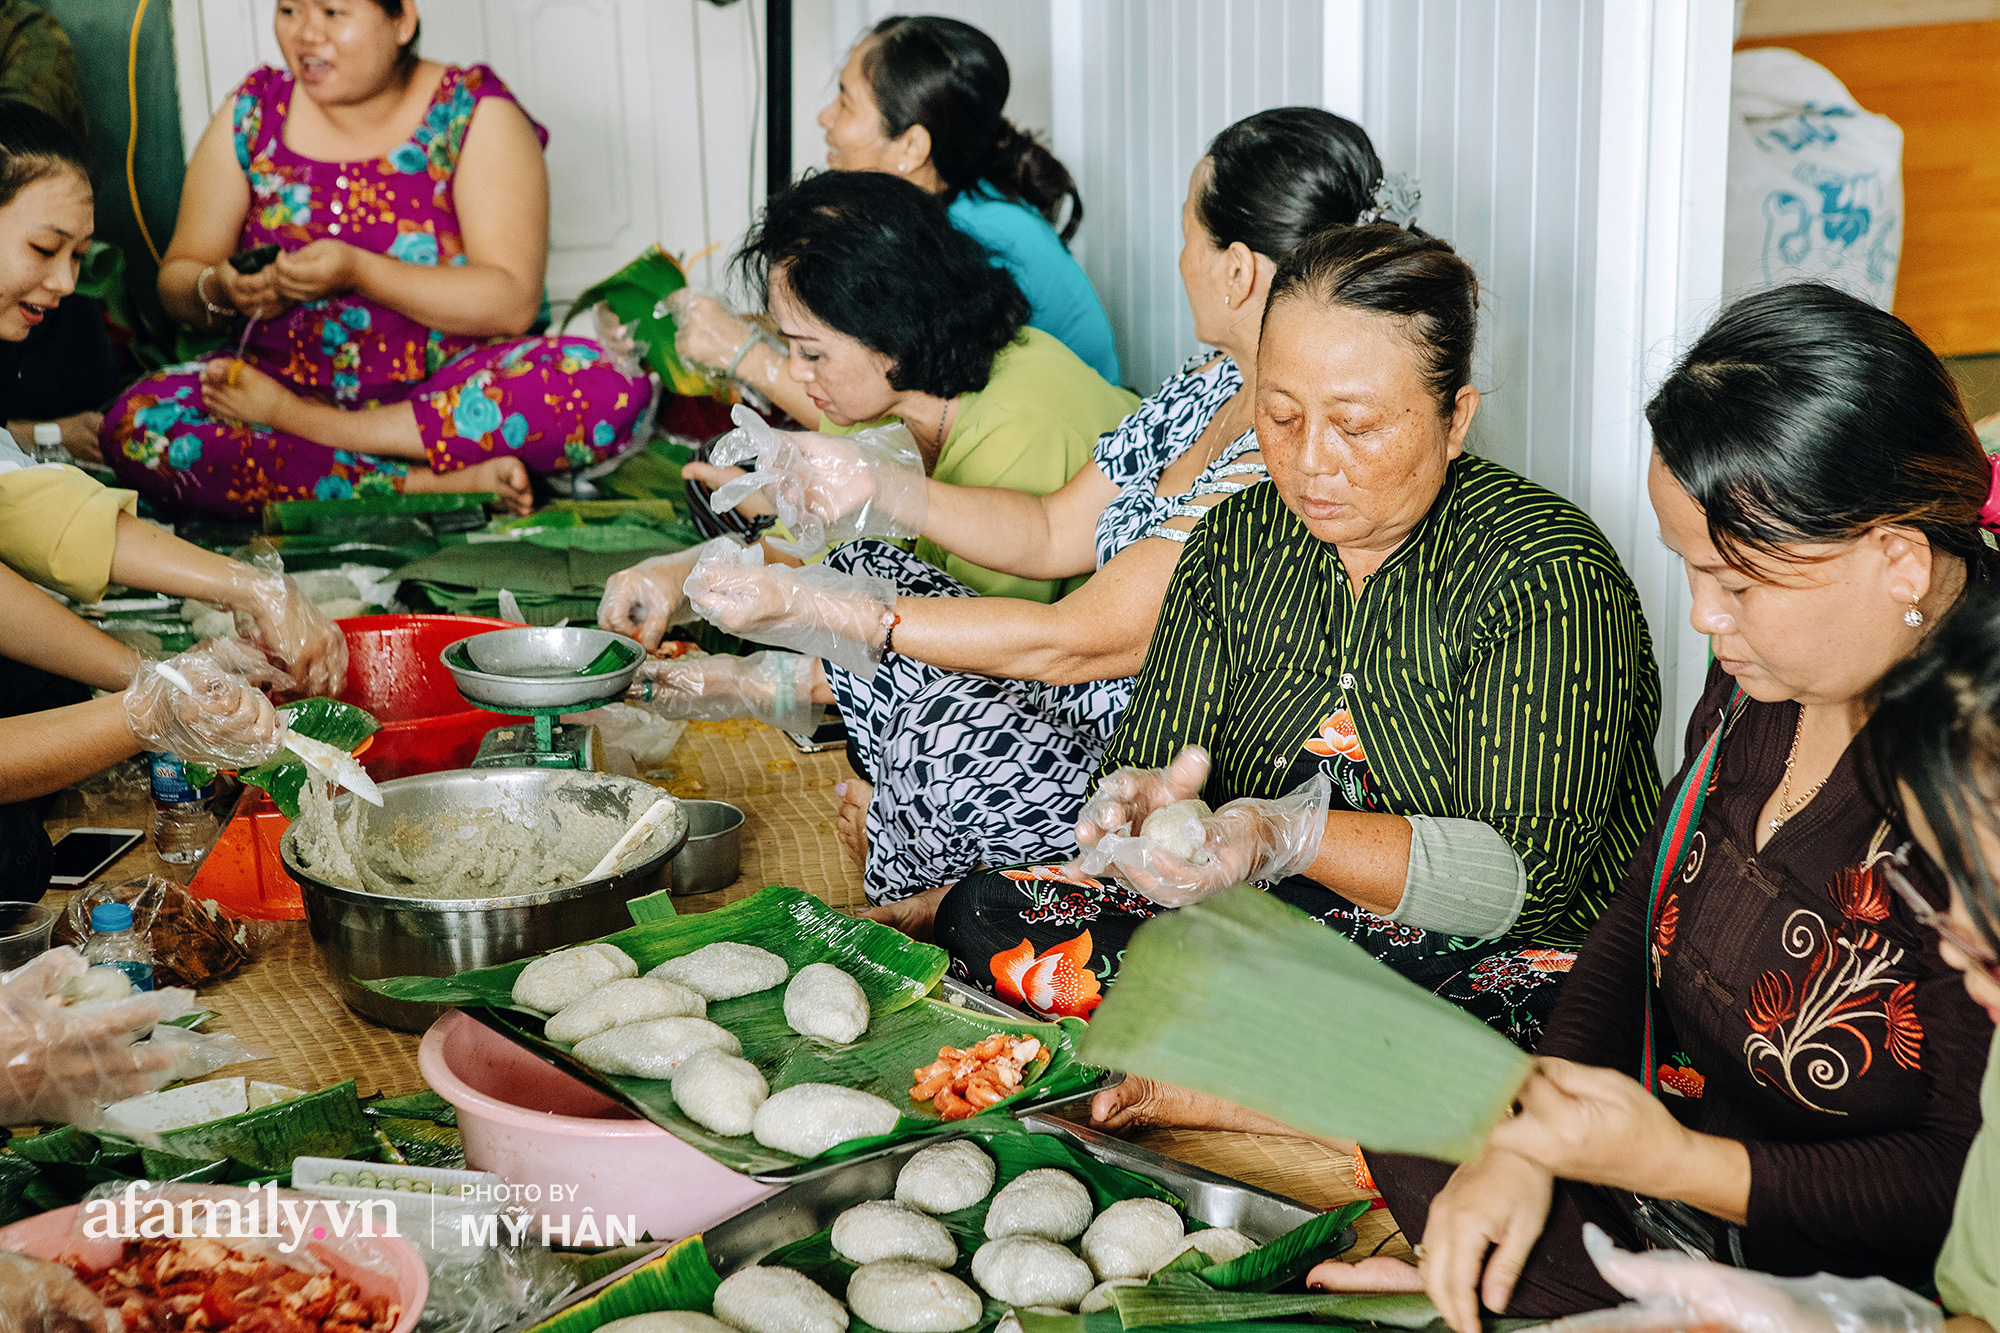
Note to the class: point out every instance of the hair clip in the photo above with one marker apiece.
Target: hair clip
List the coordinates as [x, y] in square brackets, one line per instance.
[1396, 201]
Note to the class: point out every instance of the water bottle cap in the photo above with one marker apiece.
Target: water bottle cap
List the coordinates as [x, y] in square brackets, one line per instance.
[48, 432]
[108, 917]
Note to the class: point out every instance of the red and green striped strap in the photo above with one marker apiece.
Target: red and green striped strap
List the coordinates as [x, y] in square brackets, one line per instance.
[1681, 824]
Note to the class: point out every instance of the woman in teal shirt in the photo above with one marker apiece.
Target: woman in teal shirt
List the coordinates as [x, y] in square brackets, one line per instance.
[921, 97]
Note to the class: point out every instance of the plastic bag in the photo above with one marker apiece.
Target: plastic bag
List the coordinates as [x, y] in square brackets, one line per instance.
[1815, 182]
[773, 688]
[813, 610]
[41, 1297]
[193, 940]
[635, 741]
[827, 489]
[1675, 1291]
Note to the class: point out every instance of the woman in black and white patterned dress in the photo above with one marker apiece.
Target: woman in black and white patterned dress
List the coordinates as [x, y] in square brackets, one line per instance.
[978, 734]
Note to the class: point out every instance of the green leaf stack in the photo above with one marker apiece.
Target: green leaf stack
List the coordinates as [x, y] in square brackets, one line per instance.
[1244, 997]
[905, 1029]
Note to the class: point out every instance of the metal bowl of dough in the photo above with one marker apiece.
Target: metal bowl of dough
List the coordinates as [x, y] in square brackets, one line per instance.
[367, 936]
[537, 668]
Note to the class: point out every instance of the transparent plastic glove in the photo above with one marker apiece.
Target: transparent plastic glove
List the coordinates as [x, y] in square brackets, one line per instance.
[1128, 795]
[274, 614]
[708, 335]
[813, 610]
[225, 723]
[773, 688]
[827, 489]
[40, 1297]
[64, 1063]
[647, 599]
[1673, 1291]
[1246, 841]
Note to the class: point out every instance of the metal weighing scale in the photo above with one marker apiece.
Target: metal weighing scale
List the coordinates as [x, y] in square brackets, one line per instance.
[541, 673]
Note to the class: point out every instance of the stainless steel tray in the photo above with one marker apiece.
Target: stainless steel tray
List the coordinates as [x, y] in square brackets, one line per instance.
[810, 1206]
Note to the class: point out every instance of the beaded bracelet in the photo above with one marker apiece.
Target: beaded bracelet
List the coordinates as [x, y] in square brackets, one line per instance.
[201, 293]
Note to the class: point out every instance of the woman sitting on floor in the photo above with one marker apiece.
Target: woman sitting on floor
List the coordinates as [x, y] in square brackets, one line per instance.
[1760, 1044]
[381, 351]
[921, 97]
[1041, 687]
[1443, 662]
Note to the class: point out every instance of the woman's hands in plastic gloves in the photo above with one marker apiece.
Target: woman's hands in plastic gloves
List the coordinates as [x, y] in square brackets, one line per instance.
[814, 610]
[221, 719]
[60, 1063]
[1673, 1291]
[272, 612]
[827, 489]
[646, 600]
[1249, 839]
[773, 688]
[40, 1297]
[706, 332]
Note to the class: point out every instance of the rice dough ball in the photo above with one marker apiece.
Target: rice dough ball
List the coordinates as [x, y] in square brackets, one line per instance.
[1100, 1295]
[870, 1232]
[1219, 1245]
[725, 970]
[1177, 828]
[945, 1177]
[1027, 1270]
[1044, 1202]
[808, 1118]
[825, 1002]
[902, 1296]
[777, 1300]
[555, 981]
[666, 1321]
[1132, 1238]
[654, 1048]
[719, 1091]
[626, 1000]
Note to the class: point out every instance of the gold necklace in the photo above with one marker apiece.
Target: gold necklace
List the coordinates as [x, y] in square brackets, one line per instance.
[1787, 807]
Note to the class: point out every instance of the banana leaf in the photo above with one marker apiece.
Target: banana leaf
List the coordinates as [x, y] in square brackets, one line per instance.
[327, 1123]
[637, 296]
[905, 1030]
[1157, 1304]
[425, 1105]
[1229, 994]
[326, 720]
[680, 1279]
[423, 1142]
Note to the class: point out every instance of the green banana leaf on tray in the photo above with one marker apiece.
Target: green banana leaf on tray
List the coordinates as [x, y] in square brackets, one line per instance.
[905, 1031]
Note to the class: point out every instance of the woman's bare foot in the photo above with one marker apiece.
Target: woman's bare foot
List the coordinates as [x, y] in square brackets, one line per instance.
[506, 477]
[1378, 1274]
[238, 391]
[1148, 1103]
[850, 823]
[914, 916]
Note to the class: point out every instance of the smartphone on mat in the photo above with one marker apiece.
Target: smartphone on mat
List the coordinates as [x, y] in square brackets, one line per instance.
[87, 852]
[829, 735]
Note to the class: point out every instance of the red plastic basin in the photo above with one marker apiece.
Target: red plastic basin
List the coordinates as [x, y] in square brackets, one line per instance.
[393, 671]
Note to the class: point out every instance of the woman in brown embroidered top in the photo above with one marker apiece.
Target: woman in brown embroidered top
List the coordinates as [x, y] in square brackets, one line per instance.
[1812, 1086]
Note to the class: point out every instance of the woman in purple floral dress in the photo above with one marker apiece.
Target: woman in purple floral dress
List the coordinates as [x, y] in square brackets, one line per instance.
[382, 350]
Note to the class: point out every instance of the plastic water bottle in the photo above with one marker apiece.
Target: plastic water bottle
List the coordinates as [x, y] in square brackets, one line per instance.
[113, 943]
[183, 825]
[48, 443]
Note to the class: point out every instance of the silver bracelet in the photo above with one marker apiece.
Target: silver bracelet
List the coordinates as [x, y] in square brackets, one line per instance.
[758, 334]
[202, 294]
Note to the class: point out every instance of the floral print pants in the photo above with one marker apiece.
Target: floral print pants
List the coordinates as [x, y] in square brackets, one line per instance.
[1051, 941]
[553, 402]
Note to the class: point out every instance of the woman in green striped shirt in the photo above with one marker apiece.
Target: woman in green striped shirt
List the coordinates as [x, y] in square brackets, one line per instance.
[1442, 661]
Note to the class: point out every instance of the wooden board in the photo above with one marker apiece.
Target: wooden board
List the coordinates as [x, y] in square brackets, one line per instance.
[1937, 81]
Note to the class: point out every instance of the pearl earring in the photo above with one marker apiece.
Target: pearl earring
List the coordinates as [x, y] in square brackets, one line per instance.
[1913, 617]
[902, 166]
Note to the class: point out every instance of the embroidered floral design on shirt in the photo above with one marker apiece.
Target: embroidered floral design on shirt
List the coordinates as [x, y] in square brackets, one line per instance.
[1807, 1035]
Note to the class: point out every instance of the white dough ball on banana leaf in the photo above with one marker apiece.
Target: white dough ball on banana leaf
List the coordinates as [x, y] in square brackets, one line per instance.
[808, 1118]
[1132, 1238]
[666, 1321]
[777, 1300]
[945, 1177]
[1044, 1202]
[876, 1230]
[1027, 1270]
[825, 1002]
[654, 1048]
[719, 1091]
[555, 981]
[725, 970]
[1100, 1295]
[903, 1296]
[1219, 1245]
[626, 1000]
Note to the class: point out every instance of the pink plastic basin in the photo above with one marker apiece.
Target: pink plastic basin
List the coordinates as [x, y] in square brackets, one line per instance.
[379, 1265]
[533, 1125]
